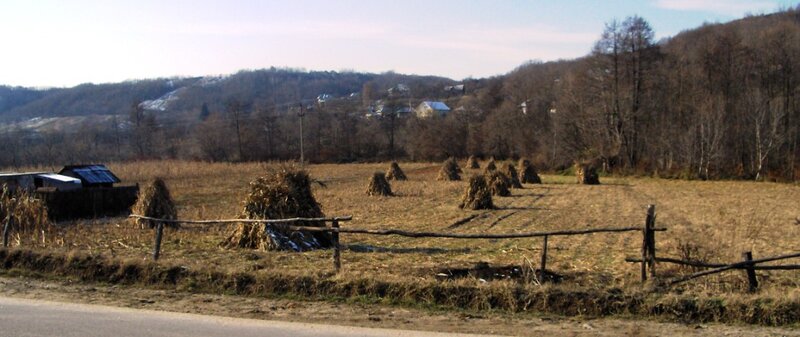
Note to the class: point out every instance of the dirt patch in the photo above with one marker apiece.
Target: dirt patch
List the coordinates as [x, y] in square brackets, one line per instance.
[485, 272]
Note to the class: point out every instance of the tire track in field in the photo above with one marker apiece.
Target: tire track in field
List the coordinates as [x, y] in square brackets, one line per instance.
[531, 203]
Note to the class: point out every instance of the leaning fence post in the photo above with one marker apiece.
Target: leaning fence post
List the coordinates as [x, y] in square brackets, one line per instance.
[337, 263]
[544, 257]
[645, 249]
[751, 272]
[6, 228]
[159, 234]
[651, 239]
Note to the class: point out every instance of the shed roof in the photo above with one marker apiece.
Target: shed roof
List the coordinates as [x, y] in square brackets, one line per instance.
[92, 174]
[59, 177]
[19, 174]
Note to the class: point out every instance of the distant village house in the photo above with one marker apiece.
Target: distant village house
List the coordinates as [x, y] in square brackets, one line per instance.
[429, 109]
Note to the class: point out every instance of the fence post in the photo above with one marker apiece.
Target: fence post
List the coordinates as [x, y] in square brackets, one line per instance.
[7, 226]
[751, 272]
[544, 257]
[646, 243]
[337, 262]
[6, 229]
[651, 239]
[159, 234]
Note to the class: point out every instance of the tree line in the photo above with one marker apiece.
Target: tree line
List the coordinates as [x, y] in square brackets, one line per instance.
[718, 101]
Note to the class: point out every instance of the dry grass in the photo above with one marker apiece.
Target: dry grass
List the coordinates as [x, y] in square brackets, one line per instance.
[722, 219]
[26, 217]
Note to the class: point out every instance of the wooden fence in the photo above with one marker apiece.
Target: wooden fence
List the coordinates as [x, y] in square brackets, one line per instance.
[648, 234]
[748, 264]
[647, 260]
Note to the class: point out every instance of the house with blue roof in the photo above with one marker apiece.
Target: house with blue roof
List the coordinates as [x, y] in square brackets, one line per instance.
[428, 109]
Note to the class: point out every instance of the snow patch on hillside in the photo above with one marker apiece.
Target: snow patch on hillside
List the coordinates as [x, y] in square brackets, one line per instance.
[161, 103]
[212, 80]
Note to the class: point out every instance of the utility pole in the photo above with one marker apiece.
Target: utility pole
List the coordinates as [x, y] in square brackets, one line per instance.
[553, 111]
[302, 114]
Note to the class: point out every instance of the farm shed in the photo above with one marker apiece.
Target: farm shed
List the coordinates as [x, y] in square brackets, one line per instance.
[88, 202]
[34, 180]
[57, 181]
[77, 191]
[18, 180]
[95, 175]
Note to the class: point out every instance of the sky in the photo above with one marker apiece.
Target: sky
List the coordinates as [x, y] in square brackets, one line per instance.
[56, 43]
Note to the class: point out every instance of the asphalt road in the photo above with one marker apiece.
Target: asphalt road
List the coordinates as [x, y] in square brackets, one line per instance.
[23, 317]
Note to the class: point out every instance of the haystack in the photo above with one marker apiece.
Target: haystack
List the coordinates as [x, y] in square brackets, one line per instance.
[472, 163]
[395, 172]
[478, 195]
[498, 183]
[490, 165]
[528, 173]
[511, 172]
[378, 185]
[450, 171]
[280, 194]
[586, 172]
[27, 214]
[155, 201]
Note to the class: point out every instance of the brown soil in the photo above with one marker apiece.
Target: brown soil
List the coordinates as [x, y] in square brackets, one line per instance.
[359, 314]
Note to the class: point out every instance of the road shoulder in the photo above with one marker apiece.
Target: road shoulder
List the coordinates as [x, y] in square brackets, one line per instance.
[358, 314]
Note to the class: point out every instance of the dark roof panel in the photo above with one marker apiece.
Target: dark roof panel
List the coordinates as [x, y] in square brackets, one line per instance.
[93, 174]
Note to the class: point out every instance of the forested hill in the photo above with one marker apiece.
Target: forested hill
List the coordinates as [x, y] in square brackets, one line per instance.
[185, 95]
[717, 101]
[13, 97]
[720, 100]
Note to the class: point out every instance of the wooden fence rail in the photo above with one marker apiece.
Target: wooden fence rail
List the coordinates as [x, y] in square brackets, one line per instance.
[700, 264]
[268, 222]
[464, 236]
[284, 223]
[748, 264]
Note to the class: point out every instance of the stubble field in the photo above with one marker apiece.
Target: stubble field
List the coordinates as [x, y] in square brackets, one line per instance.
[709, 221]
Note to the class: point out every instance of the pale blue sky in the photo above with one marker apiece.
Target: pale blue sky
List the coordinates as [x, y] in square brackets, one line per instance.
[65, 43]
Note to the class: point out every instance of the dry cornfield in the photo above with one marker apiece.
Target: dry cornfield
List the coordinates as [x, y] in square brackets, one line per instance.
[713, 220]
